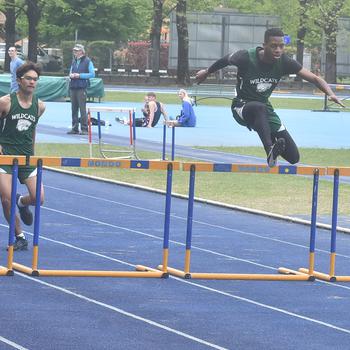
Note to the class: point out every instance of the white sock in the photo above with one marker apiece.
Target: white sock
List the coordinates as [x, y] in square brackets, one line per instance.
[19, 203]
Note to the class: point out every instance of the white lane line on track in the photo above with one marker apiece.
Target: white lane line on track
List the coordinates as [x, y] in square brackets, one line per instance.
[251, 234]
[273, 308]
[11, 343]
[125, 313]
[266, 306]
[160, 238]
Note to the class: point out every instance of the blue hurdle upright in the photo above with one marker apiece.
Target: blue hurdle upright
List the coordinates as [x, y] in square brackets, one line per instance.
[8, 270]
[172, 142]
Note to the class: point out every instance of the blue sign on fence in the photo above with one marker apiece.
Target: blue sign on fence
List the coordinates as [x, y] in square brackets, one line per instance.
[287, 39]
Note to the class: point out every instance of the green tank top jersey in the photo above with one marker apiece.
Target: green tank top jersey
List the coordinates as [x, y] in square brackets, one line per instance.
[17, 128]
[256, 84]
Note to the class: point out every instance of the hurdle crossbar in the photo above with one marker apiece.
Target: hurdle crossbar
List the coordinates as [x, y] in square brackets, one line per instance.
[331, 275]
[129, 154]
[285, 274]
[141, 270]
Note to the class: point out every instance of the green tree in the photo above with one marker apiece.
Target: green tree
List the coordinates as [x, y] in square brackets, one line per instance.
[112, 20]
[155, 33]
[328, 21]
[183, 74]
[10, 29]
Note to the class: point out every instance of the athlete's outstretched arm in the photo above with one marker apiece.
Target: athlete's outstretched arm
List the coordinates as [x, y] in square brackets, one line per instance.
[219, 64]
[320, 83]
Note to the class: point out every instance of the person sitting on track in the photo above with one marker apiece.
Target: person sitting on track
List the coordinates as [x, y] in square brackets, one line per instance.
[19, 114]
[259, 71]
[152, 111]
[187, 117]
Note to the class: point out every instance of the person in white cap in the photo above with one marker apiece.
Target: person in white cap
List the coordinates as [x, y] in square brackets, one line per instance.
[82, 69]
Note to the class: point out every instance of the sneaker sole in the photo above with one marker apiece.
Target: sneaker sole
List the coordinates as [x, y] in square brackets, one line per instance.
[279, 146]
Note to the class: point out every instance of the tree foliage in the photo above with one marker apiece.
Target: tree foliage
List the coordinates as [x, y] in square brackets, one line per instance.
[112, 20]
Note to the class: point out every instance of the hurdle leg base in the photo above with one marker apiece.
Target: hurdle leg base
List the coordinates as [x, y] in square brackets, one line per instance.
[175, 272]
[150, 269]
[286, 271]
[10, 273]
[320, 275]
[22, 268]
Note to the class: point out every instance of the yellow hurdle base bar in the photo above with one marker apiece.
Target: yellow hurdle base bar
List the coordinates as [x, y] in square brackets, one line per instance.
[295, 276]
[146, 273]
[327, 277]
[5, 272]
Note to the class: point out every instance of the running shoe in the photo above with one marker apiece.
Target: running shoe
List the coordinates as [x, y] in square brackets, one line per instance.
[24, 212]
[276, 150]
[20, 244]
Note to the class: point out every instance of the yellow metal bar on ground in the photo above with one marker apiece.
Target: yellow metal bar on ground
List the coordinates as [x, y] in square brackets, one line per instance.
[342, 278]
[320, 275]
[287, 271]
[249, 276]
[82, 273]
[146, 268]
[175, 272]
[5, 272]
[22, 268]
[150, 273]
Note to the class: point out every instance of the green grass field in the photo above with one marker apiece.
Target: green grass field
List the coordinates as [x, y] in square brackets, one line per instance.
[278, 103]
[287, 195]
[282, 194]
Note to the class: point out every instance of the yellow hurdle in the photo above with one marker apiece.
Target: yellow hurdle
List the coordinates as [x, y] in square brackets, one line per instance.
[331, 276]
[140, 270]
[285, 274]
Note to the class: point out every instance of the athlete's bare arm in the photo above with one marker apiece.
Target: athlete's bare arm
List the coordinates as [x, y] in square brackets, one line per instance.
[42, 108]
[152, 110]
[5, 104]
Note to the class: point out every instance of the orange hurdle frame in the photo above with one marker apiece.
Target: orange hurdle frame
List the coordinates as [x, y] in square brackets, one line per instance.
[291, 275]
[130, 154]
[141, 271]
[331, 276]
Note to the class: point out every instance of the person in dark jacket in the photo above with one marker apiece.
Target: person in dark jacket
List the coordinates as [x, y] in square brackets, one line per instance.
[82, 69]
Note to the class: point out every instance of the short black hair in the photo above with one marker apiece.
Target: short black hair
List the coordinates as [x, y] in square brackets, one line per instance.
[26, 67]
[272, 32]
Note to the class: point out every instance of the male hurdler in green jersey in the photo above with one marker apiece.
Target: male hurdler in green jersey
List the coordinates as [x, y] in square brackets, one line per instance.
[19, 115]
[258, 72]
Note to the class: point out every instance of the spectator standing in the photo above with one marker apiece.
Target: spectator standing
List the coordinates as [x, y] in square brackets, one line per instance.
[82, 69]
[14, 64]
